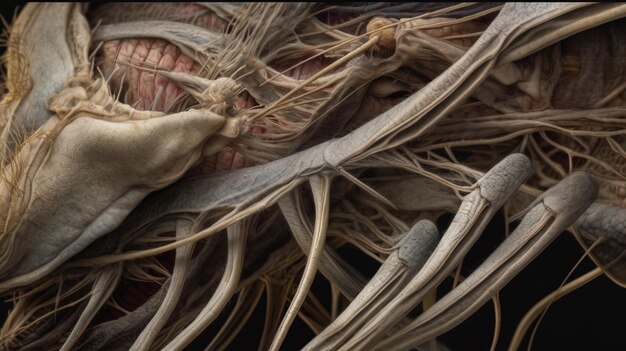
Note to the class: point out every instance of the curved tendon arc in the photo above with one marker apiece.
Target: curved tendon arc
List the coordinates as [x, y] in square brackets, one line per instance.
[320, 187]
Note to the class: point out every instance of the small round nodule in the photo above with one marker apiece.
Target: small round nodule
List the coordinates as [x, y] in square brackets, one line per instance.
[386, 44]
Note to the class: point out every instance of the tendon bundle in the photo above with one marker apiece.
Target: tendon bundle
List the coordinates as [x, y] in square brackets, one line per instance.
[168, 169]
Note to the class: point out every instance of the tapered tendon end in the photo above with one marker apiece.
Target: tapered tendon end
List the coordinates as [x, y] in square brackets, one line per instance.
[418, 244]
[503, 179]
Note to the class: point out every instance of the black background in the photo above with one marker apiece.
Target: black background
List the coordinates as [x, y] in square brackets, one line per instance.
[591, 318]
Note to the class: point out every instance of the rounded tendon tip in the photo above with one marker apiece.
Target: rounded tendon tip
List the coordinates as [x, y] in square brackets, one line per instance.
[572, 195]
[499, 183]
[418, 243]
[386, 44]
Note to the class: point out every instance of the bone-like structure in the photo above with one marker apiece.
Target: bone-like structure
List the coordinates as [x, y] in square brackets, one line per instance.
[94, 193]
[540, 226]
[393, 275]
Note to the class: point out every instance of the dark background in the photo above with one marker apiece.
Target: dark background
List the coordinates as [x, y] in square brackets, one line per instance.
[591, 318]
